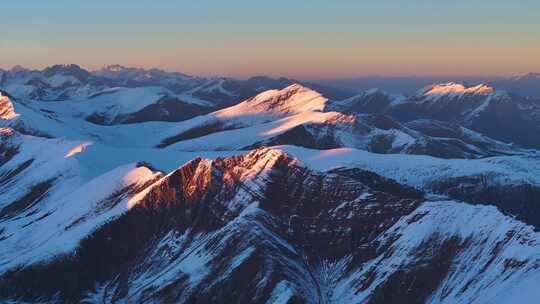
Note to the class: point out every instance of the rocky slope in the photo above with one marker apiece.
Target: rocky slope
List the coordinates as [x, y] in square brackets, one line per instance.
[7, 111]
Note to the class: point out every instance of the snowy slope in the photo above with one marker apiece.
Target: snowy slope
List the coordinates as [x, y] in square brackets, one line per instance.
[419, 170]
[371, 101]
[47, 206]
[481, 256]
[211, 227]
[113, 104]
[75, 119]
[264, 108]
[510, 183]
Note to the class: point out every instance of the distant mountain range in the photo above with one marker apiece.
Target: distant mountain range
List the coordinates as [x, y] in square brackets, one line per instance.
[143, 186]
[524, 85]
[64, 82]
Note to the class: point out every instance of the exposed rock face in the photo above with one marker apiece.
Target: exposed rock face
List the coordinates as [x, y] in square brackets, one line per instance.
[262, 228]
[7, 111]
[520, 200]
[8, 149]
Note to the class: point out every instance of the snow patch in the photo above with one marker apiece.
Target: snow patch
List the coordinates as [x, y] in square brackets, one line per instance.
[77, 149]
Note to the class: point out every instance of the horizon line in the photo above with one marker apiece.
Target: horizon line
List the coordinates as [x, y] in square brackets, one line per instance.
[273, 75]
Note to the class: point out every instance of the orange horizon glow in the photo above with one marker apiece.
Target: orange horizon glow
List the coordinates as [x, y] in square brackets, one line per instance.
[244, 38]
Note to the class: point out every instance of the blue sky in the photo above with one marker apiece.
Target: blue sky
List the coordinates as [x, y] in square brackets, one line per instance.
[291, 38]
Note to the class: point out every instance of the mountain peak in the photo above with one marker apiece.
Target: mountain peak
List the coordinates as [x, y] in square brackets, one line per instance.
[458, 89]
[67, 70]
[63, 68]
[7, 111]
[197, 177]
[294, 98]
[290, 100]
[296, 87]
[115, 68]
[292, 91]
[267, 154]
[18, 69]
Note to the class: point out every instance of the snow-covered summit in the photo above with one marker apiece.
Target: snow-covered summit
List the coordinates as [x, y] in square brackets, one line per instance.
[7, 111]
[293, 99]
[18, 69]
[455, 89]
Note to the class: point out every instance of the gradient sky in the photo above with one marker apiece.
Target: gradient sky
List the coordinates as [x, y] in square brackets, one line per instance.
[310, 39]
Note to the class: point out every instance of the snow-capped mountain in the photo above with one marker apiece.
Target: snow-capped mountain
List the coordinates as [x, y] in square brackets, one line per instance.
[7, 111]
[500, 115]
[453, 90]
[136, 191]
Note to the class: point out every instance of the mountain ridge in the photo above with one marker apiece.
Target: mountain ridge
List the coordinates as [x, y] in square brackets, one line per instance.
[226, 217]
